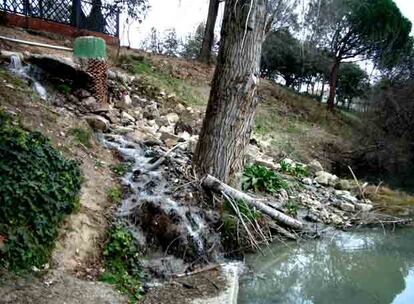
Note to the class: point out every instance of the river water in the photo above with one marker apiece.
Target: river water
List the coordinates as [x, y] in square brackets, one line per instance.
[366, 267]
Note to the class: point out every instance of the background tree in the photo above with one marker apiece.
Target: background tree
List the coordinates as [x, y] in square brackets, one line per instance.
[193, 42]
[353, 82]
[170, 43]
[208, 39]
[233, 100]
[351, 28]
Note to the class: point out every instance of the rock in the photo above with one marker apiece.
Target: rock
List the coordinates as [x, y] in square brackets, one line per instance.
[363, 207]
[288, 162]
[347, 207]
[336, 219]
[169, 136]
[283, 194]
[123, 130]
[168, 129]
[127, 119]
[325, 178]
[347, 196]
[162, 121]
[184, 136]
[82, 93]
[151, 111]
[73, 99]
[172, 118]
[97, 123]
[314, 166]
[124, 103]
[138, 100]
[90, 103]
[343, 184]
[307, 181]
[192, 143]
[180, 108]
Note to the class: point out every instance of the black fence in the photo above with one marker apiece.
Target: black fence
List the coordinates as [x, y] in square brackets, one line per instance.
[89, 15]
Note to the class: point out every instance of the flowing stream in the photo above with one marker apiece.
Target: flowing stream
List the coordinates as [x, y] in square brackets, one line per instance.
[366, 267]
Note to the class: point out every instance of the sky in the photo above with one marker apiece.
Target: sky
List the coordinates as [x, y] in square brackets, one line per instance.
[186, 15]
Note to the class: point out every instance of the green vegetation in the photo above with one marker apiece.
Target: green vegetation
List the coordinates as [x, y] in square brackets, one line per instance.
[121, 169]
[298, 170]
[115, 195]
[292, 208]
[38, 188]
[261, 179]
[82, 136]
[122, 267]
[64, 89]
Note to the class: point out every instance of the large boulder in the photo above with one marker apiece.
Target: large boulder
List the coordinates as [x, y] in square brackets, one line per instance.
[314, 166]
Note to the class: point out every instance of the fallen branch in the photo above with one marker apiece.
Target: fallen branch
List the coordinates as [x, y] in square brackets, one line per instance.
[217, 186]
[162, 159]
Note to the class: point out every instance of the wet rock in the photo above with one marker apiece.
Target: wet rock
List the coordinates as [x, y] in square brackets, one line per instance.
[314, 166]
[336, 219]
[347, 207]
[325, 178]
[97, 123]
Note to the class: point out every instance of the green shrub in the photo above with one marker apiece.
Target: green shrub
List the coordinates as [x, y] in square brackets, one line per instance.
[292, 208]
[121, 263]
[261, 179]
[38, 187]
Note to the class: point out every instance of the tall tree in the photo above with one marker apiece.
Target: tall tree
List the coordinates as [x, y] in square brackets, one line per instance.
[352, 28]
[208, 39]
[353, 82]
[192, 45]
[232, 104]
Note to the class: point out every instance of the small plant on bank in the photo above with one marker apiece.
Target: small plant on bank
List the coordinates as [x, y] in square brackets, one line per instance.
[261, 179]
[38, 188]
[82, 136]
[292, 208]
[115, 195]
[122, 267]
[298, 170]
[121, 169]
[64, 89]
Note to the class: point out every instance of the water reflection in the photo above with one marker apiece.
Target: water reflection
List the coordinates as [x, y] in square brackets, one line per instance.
[363, 267]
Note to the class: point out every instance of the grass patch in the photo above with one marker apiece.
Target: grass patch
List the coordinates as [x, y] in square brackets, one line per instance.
[122, 267]
[82, 136]
[184, 90]
[297, 170]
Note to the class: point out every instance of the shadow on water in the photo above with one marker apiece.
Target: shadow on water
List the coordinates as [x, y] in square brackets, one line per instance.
[360, 267]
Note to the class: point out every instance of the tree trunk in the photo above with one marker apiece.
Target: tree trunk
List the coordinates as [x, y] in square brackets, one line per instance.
[233, 100]
[208, 39]
[323, 89]
[333, 80]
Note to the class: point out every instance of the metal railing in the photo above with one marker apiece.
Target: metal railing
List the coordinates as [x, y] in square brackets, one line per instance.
[89, 15]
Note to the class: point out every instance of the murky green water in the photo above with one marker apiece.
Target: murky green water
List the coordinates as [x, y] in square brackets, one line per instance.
[359, 267]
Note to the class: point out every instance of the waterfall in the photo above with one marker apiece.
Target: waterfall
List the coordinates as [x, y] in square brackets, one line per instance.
[27, 73]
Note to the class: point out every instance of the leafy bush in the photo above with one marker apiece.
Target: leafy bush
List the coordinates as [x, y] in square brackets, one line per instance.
[38, 187]
[292, 208]
[261, 179]
[121, 263]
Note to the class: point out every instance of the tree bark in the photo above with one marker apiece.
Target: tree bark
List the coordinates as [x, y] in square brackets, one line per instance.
[233, 99]
[208, 39]
[333, 80]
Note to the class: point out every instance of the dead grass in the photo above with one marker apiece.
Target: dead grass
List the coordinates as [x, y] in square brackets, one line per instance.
[390, 201]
